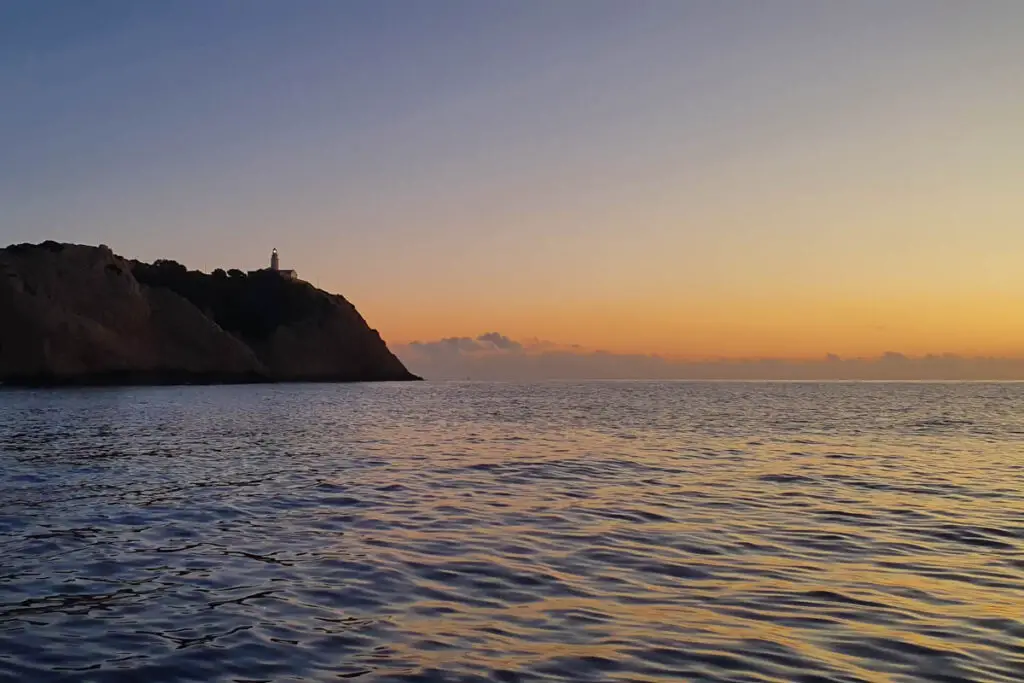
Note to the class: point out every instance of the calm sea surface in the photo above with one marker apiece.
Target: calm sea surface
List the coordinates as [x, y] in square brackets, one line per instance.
[513, 532]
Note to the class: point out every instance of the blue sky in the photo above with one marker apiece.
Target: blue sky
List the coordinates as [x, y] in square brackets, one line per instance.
[688, 178]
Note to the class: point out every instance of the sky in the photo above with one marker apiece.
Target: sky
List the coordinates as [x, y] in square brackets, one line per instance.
[691, 180]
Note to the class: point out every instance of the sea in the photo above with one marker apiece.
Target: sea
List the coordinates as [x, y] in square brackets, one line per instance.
[504, 532]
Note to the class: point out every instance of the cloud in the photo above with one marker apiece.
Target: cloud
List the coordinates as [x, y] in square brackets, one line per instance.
[494, 356]
[500, 341]
[489, 342]
[449, 346]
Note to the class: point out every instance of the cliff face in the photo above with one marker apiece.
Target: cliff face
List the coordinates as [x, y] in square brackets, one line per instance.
[77, 314]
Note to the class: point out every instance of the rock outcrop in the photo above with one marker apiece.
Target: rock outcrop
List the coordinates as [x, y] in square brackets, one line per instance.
[73, 314]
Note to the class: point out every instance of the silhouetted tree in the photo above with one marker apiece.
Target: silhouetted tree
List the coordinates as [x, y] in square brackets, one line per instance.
[169, 265]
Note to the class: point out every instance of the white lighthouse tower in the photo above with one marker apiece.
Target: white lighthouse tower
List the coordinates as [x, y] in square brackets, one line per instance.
[275, 265]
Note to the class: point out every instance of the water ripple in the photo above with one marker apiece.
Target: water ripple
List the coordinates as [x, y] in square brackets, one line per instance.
[498, 532]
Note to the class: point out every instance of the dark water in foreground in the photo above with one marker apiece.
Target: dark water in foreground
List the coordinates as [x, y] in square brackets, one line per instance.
[501, 532]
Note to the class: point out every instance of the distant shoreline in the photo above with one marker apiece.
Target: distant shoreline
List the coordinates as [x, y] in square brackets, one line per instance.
[144, 379]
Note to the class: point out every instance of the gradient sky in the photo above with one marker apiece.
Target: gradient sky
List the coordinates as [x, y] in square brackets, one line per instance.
[690, 178]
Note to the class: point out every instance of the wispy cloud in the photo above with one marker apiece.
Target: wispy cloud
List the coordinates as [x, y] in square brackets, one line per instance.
[497, 357]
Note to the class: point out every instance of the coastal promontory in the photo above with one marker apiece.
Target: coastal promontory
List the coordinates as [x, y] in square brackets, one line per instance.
[75, 314]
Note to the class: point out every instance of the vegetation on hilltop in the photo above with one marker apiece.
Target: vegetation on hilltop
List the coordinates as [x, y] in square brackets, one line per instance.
[248, 305]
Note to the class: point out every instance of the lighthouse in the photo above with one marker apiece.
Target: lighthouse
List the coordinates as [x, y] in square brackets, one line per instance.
[275, 266]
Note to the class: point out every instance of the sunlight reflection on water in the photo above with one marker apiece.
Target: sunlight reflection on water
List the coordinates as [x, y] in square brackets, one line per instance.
[501, 532]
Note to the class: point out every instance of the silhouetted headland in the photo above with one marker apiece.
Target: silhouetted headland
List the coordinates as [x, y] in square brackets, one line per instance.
[74, 314]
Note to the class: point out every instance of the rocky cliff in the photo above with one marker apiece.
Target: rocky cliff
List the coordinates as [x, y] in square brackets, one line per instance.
[73, 314]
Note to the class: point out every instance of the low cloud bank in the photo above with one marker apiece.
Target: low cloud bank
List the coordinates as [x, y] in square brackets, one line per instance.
[493, 356]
